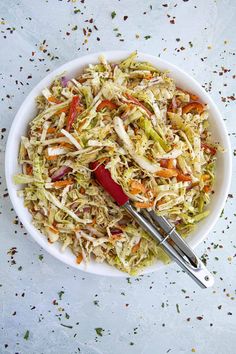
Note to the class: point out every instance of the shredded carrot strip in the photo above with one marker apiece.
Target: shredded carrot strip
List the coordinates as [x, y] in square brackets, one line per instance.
[195, 184]
[183, 178]
[29, 169]
[206, 189]
[144, 204]
[60, 135]
[136, 247]
[54, 230]
[168, 173]
[64, 183]
[106, 103]
[170, 164]
[54, 100]
[148, 76]
[68, 145]
[51, 130]
[137, 187]
[79, 258]
[62, 110]
[79, 109]
[161, 201]
[94, 221]
[52, 157]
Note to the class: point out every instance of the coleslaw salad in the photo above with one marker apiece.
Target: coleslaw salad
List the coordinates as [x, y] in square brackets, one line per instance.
[153, 138]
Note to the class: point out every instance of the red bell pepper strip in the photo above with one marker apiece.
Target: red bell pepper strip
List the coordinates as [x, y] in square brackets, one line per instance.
[106, 103]
[72, 112]
[212, 150]
[193, 106]
[137, 103]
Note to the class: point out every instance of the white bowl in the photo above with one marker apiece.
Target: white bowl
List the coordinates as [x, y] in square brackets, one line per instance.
[28, 110]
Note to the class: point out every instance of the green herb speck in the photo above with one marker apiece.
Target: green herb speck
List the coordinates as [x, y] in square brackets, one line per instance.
[40, 257]
[113, 14]
[147, 37]
[99, 331]
[60, 293]
[26, 336]
[128, 280]
[63, 325]
[177, 308]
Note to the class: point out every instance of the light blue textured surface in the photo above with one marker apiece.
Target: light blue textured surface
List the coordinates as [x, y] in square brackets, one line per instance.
[156, 314]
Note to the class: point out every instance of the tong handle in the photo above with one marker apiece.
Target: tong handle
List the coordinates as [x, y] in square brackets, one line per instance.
[178, 240]
[199, 274]
[103, 176]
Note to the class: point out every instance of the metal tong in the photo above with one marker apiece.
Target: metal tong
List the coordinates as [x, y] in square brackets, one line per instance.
[169, 239]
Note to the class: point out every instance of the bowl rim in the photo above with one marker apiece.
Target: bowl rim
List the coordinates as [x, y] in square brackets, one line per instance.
[70, 66]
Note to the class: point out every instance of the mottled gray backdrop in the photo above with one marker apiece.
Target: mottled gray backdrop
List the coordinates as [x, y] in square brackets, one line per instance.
[46, 307]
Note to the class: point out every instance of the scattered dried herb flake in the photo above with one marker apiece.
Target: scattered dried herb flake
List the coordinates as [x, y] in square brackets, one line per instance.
[26, 336]
[99, 331]
[113, 14]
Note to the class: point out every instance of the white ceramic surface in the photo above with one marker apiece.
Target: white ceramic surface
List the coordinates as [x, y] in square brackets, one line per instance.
[28, 110]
